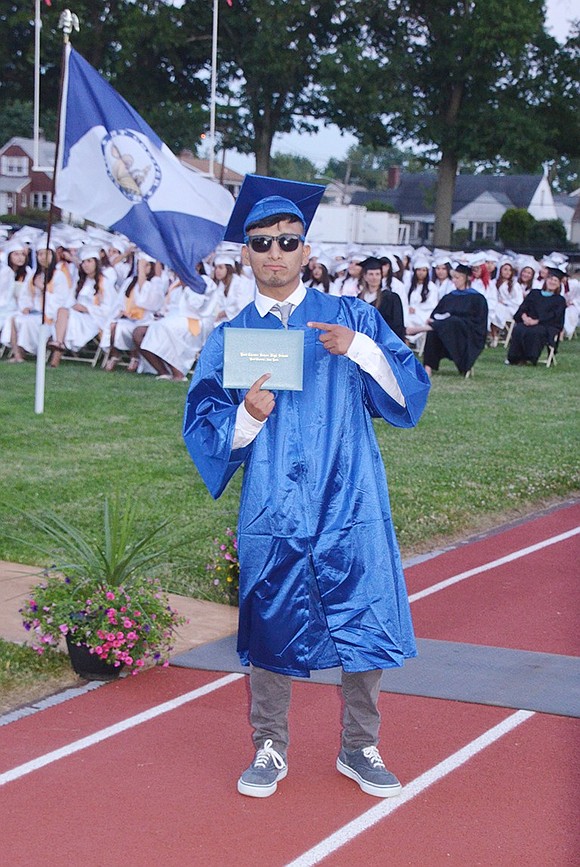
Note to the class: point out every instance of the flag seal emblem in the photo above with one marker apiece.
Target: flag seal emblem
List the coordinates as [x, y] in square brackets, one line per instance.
[130, 164]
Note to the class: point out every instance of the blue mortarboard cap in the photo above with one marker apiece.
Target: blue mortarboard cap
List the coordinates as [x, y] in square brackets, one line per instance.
[261, 197]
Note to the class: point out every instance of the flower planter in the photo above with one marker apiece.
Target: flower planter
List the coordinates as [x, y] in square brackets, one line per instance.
[88, 665]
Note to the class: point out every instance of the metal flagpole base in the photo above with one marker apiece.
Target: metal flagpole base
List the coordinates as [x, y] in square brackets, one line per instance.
[41, 368]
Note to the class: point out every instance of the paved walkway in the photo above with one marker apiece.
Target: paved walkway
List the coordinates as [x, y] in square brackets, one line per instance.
[208, 621]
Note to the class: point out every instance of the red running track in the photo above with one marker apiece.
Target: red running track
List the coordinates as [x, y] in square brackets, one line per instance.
[163, 791]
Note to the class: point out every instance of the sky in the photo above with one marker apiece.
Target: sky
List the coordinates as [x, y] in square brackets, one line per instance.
[330, 142]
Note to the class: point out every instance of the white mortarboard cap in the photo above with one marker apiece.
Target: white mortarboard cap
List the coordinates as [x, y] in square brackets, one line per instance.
[324, 260]
[224, 259]
[42, 243]
[441, 258]
[558, 258]
[339, 267]
[528, 262]
[477, 258]
[89, 251]
[421, 261]
[13, 245]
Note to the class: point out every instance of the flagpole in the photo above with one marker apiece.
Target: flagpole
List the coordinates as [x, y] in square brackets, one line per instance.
[212, 102]
[67, 22]
[36, 121]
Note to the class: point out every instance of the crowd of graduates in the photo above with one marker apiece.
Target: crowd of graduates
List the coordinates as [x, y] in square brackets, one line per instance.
[96, 287]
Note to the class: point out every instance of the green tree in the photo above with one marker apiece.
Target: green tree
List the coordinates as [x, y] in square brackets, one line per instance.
[142, 49]
[294, 168]
[270, 51]
[369, 166]
[548, 234]
[465, 79]
[515, 227]
[17, 119]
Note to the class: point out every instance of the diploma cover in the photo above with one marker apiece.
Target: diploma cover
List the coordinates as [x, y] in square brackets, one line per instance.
[251, 352]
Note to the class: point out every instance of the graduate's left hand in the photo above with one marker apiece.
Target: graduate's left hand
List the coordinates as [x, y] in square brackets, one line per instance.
[336, 339]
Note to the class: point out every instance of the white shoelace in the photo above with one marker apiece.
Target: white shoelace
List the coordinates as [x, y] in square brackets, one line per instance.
[374, 757]
[266, 754]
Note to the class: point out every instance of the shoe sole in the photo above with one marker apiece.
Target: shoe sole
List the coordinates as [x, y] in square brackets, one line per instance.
[369, 788]
[254, 791]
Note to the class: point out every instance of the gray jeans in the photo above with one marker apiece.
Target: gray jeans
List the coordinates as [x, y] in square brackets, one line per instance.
[271, 702]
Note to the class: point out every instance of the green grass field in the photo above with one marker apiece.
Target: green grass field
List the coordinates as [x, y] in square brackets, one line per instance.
[491, 447]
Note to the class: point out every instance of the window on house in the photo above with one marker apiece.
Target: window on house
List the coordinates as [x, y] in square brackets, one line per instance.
[483, 231]
[41, 201]
[14, 166]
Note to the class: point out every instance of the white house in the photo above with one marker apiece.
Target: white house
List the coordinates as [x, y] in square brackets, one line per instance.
[479, 202]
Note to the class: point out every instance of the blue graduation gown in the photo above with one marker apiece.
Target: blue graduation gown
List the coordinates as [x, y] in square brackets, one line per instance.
[321, 581]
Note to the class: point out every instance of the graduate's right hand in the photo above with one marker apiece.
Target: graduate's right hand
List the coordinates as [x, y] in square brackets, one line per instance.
[259, 402]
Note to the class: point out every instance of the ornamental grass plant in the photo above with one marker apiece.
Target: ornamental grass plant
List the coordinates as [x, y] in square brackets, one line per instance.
[99, 592]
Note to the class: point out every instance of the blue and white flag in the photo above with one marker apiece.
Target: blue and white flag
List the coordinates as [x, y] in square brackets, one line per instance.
[114, 170]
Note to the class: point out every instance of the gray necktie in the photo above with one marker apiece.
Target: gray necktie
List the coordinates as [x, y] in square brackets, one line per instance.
[284, 310]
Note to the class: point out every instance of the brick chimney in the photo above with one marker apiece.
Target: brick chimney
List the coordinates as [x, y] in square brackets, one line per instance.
[393, 177]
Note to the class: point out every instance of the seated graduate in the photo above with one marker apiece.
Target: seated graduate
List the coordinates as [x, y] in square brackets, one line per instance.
[140, 298]
[441, 274]
[90, 313]
[421, 297]
[457, 327]
[388, 303]
[319, 275]
[170, 345]
[482, 282]
[509, 298]
[25, 324]
[539, 320]
[321, 582]
[14, 274]
[234, 290]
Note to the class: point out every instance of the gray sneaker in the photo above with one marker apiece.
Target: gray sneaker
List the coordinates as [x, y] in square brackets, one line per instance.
[260, 780]
[367, 769]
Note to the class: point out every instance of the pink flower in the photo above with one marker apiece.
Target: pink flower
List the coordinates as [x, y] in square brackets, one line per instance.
[63, 628]
[109, 594]
[127, 623]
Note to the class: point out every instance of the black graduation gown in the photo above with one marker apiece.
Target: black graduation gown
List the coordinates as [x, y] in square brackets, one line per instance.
[527, 341]
[459, 325]
[391, 309]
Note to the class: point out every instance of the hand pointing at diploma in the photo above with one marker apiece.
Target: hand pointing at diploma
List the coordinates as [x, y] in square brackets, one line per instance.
[335, 338]
[259, 402]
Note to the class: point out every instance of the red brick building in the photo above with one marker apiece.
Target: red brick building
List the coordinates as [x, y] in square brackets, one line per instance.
[21, 187]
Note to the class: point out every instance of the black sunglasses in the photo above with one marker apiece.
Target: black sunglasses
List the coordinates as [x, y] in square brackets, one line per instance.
[286, 243]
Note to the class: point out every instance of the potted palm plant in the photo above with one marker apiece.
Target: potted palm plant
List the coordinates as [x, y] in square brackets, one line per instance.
[100, 595]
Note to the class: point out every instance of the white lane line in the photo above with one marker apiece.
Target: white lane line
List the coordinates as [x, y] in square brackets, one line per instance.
[523, 552]
[385, 808]
[117, 728]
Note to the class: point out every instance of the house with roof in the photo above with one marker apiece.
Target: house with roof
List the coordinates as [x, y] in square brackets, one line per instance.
[229, 179]
[479, 202]
[21, 185]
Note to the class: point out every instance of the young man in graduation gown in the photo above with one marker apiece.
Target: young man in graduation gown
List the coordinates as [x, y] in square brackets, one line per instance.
[321, 583]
